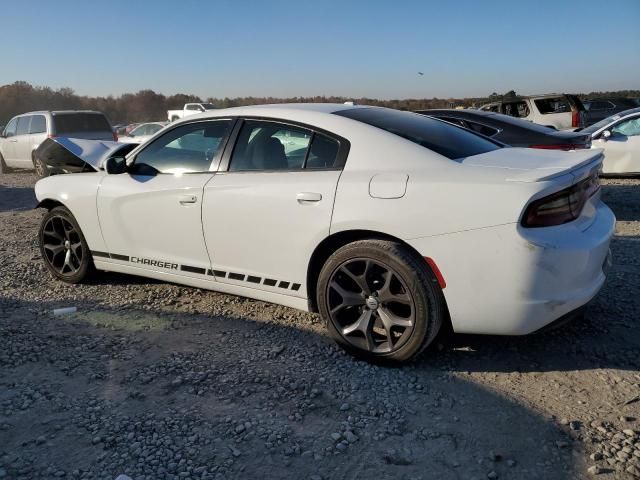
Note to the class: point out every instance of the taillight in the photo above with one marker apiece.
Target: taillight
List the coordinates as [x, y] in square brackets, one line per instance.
[561, 146]
[575, 118]
[561, 207]
[115, 137]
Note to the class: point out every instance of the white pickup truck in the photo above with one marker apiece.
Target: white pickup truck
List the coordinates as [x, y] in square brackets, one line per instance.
[189, 109]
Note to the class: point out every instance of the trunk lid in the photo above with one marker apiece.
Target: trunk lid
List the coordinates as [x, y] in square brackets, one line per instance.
[533, 165]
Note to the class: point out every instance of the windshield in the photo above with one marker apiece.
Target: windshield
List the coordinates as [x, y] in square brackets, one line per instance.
[602, 123]
[441, 137]
[80, 122]
[208, 106]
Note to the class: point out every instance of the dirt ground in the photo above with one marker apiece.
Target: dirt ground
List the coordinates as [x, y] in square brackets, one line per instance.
[158, 381]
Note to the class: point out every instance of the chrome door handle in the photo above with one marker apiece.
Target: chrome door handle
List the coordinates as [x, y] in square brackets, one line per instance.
[13, 141]
[186, 199]
[308, 197]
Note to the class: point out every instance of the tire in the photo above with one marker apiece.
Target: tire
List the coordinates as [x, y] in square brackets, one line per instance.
[405, 313]
[41, 169]
[63, 247]
[3, 165]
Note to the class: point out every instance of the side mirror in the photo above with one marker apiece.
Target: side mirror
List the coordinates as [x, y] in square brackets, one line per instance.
[606, 135]
[115, 165]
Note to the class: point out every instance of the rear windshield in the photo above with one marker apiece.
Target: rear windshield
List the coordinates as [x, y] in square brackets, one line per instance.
[518, 122]
[80, 122]
[553, 105]
[443, 138]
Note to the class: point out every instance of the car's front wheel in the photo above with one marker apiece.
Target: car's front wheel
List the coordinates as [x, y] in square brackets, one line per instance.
[63, 246]
[380, 300]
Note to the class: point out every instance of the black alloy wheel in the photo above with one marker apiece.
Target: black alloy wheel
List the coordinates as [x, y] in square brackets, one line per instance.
[63, 246]
[370, 305]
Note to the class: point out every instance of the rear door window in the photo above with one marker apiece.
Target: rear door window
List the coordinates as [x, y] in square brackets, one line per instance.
[38, 124]
[323, 153]
[23, 125]
[553, 105]
[267, 146]
[447, 140]
[66, 123]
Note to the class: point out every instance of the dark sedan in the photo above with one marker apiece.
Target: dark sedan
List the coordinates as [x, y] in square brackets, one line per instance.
[512, 131]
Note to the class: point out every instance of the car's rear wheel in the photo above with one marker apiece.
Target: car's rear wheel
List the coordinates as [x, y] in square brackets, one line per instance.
[41, 169]
[63, 246]
[3, 165]
[380, 300]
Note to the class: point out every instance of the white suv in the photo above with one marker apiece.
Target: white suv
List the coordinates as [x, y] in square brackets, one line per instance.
[559, 111]
[24, 134]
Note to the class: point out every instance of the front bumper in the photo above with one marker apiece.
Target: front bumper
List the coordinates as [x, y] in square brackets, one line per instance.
[507, 280]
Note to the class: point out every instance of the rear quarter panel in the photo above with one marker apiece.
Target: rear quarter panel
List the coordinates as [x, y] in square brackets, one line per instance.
[77, 192]
[441, 196]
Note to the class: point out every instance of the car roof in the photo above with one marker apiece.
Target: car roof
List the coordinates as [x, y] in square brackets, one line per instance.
[631, 111]
[276, 110]
[464, 111]
[59, 111]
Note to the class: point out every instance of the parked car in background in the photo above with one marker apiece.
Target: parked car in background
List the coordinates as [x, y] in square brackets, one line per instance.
[619, 136]
[142, 132]
[559, 111]
[600, 108]
[512, 131]
[189, 109]
[24, 133]
[348, 222]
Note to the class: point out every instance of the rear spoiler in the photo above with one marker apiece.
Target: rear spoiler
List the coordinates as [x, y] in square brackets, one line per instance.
[533, 165]
[73, 155]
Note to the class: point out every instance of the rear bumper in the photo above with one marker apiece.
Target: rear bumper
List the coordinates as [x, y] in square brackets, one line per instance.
[507, 280]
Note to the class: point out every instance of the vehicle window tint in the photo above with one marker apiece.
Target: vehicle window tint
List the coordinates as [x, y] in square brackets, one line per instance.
[10, 130]
[553, 105]
[447, 140]
[323, 152]
[186, 149]
[194, 107]
[628, 128]
[23, 125]
[269, 146]
[68, 123]
[38, 124]
[483, 129]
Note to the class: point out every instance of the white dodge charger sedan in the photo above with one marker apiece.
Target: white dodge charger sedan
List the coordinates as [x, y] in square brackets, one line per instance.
[389, 224]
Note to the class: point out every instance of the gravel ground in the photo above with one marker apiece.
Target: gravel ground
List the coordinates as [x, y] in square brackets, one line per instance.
[158, 381]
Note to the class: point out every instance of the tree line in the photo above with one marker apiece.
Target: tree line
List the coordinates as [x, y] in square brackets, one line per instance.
[147, 105]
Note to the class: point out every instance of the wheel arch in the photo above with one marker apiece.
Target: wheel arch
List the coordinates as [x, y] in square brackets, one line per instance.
[339, 239]
[50, 204]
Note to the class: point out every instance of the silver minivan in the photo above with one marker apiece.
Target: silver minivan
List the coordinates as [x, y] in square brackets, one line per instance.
[24, 133]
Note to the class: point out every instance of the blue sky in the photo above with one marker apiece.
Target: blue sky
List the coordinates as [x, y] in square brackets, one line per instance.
[353, 48]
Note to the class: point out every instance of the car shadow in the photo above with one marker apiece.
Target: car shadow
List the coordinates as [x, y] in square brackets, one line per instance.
[623, 199]
[207, 382]
[16, 198]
